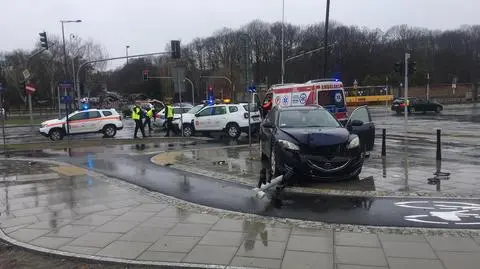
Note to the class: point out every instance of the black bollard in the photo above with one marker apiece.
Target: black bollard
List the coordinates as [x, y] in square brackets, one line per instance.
[439, 143]
[384, 143]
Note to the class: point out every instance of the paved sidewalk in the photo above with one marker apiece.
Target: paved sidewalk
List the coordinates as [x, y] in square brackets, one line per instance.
[74, 212]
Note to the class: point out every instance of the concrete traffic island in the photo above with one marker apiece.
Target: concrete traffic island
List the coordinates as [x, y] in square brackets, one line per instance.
[75, 212]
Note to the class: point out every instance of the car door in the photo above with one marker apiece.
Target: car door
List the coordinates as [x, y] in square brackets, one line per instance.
[203, 119]
[419, 105]
[94, 122]
[365, 131]
[78, 123]
[219, 118]
[267, 128]
[432, 106]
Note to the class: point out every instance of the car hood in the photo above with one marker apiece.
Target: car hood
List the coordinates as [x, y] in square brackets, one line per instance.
[318, 136]
[54, 121]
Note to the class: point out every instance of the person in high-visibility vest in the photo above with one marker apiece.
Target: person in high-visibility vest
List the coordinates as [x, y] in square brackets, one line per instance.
[148, 119]
[169, 115]
[137, 117]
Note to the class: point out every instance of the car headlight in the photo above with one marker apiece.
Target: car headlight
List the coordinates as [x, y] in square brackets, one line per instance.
[288, 145]
[354, 143]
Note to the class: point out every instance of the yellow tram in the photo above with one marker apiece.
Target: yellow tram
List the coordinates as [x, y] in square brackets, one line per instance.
[367, 95]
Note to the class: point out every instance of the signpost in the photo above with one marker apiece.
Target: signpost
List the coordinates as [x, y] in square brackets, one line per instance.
[454, 85]
[251, 89]
[30, 89]
[4, 113]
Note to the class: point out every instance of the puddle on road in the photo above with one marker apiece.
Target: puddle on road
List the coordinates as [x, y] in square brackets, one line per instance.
[104, 149]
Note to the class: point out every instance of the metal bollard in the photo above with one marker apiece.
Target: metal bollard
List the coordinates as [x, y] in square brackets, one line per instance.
[439, 144]
[384, 143]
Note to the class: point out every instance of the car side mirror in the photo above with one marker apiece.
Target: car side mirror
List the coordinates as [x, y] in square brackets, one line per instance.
[356, 123]
[352, 123]
[197, 115]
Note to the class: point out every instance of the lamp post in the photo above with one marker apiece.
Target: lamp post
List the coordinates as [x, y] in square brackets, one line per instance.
[65, 51]
[72, 36]
[126, 51]
[283, 39]
[325, 63]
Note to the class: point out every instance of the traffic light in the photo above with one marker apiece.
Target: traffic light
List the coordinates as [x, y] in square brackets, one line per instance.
[43, 40]
[412, 67]
[145, 75]
[175, 44]
[399, 68]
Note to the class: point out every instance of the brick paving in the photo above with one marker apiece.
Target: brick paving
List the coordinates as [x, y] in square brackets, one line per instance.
[83, 216]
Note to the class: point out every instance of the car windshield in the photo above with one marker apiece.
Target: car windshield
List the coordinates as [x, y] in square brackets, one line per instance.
[306, 118]
[195, 109]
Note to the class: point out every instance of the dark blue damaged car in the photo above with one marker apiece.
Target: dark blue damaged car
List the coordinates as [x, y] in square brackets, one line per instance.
[309, 142]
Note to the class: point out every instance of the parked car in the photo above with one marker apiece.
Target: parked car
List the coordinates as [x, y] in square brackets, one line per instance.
[177, 111]
[313, 144]
[229, 118]
[416, 105]
[105, 121]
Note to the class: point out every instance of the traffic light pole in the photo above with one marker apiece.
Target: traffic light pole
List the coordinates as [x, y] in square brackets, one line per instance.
[407, 57]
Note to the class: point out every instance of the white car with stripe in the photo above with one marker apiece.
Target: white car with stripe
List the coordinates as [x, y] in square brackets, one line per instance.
[105, 121]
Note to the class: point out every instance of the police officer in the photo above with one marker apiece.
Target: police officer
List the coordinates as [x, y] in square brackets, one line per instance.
[169, 115]
[148, 119]
[137, 117]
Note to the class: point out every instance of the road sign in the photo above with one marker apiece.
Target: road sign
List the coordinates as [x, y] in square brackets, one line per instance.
[66, 84]
[67, 99]
[26, 74]
[30, 88]
[252, 89]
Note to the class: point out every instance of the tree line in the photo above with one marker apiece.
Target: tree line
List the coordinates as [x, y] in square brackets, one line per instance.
[252, 54]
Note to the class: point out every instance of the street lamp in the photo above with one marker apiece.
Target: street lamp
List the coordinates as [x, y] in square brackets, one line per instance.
[283, 38]
[65, 51]
[326, 39]
[126, 51]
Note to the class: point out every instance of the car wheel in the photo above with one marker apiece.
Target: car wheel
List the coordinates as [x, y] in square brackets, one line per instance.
[233, 131]
[187, 130]
[399, 112]
[109, 131]
[56, 134]
[438, 109]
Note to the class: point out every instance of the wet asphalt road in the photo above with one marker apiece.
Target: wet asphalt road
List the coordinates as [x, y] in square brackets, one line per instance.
[236, 197]
[459, 126]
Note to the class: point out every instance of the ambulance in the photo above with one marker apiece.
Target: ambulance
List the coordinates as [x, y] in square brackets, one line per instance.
[328, 93]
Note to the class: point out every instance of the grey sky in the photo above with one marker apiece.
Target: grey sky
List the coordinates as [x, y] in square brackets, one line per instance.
[148, 25]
